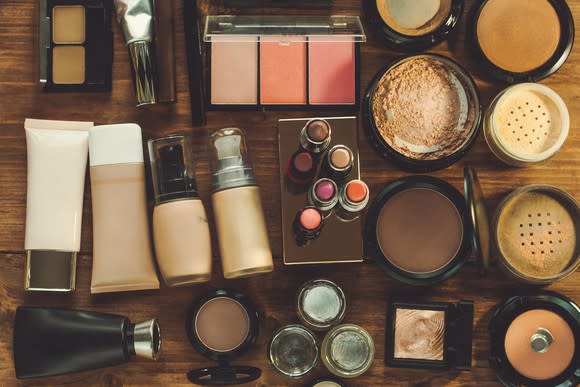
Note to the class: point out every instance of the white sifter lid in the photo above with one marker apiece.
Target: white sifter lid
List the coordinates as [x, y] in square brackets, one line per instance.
[115, 144]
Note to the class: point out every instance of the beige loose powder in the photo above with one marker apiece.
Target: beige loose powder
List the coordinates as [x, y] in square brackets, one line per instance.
[414, 18]
[421, 109]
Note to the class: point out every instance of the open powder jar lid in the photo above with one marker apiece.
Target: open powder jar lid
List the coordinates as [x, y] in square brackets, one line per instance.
[422, 112]
[222, 325]
[536, 234]
[535, 340]
[526, 124]
[326, 382]
[320, 304]
[523, 40]
[412, 26]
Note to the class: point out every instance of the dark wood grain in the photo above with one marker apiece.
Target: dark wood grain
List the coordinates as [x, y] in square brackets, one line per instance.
[367, 288]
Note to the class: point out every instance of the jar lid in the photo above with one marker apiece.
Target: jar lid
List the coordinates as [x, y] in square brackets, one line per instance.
[321, 304]
[224, 375]
[293, 351]
[480, 233]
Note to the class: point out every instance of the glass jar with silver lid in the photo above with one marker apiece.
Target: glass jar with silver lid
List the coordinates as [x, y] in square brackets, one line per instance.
[320, 304]
[348, 351]
[293, 351]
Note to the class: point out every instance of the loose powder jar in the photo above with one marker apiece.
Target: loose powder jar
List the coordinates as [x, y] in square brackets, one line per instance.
[320, 304]
[412, 26]
[222, 325]
[535, 340]
[535, 234]
[526, 124]
[430, 335]
[523, 40]
[422, 112]
[348, 351]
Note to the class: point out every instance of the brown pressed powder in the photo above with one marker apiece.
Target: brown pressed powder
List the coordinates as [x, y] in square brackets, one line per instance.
[419, 334]
[539, 365]
[414, 18]
[518, 35]
[222, 324]
[536, 235]
[419, 230]
[68, 65]
[68, 24]
[421, 109]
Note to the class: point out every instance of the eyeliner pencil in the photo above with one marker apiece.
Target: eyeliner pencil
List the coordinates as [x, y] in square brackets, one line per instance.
[194, 61]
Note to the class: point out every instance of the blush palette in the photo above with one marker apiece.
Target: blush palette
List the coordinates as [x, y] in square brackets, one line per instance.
[283, 61]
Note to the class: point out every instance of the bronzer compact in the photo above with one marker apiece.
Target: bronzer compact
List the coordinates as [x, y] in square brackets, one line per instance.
[75, 45]
[535, 341]
[522, 40]
[274, 61]
[413, 25]
[430, 335]
[222, 325]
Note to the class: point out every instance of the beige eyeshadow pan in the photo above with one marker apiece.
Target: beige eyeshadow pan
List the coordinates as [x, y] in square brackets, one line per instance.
[68, 24]
[68, 65]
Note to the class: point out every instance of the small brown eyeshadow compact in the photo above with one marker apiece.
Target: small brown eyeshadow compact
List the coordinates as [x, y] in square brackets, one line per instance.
[535, 340]
[222, 325]
[430, 335]
[75, 45]
[412, 26]
[523, 40]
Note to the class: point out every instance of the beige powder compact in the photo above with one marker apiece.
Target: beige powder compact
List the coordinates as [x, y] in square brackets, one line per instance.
[535, 234]
[526, 124]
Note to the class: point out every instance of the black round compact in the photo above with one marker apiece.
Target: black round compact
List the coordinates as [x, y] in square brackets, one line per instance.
[535, 341]
[412, 26]
[222, 325]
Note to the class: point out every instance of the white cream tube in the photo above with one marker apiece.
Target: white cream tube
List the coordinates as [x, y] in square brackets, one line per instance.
[57, 160]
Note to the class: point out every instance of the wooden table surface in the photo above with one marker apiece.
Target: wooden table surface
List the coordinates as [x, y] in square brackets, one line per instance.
[367, 288]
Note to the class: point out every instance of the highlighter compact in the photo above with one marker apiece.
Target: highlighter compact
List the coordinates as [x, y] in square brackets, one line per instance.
[75, 45]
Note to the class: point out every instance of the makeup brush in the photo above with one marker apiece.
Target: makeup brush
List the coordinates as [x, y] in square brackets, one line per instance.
[194, 61]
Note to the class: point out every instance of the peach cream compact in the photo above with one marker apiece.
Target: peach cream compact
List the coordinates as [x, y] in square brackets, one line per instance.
[283, 61]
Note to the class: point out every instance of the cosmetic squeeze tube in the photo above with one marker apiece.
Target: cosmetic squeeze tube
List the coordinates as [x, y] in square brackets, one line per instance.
[122, 254]
[135, 17]
[57, 162]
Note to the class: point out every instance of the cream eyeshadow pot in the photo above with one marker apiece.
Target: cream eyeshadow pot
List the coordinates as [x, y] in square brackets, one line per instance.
[523, 40]
[535, 340]
[222, 325]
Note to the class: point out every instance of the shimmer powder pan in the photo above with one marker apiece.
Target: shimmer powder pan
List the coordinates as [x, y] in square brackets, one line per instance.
[222, 325]
[535, 340]
[416, 230]
[432, 335]
[523, 40]
[413, 26]
[422, 112]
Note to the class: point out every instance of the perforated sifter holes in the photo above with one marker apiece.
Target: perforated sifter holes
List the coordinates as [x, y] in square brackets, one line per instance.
[538, 234]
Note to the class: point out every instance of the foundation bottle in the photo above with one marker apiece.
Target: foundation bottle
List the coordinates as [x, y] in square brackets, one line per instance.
[180, 230]
[239, 217]
[122, 255]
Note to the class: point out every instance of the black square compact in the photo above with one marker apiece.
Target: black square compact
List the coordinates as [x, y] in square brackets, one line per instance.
[75, 45]
[430, 335]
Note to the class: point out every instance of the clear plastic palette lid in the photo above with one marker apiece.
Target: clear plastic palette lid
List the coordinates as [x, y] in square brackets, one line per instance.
[239, 27]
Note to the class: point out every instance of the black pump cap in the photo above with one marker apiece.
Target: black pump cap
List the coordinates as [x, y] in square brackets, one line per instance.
[224, 375]
[172, 168]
